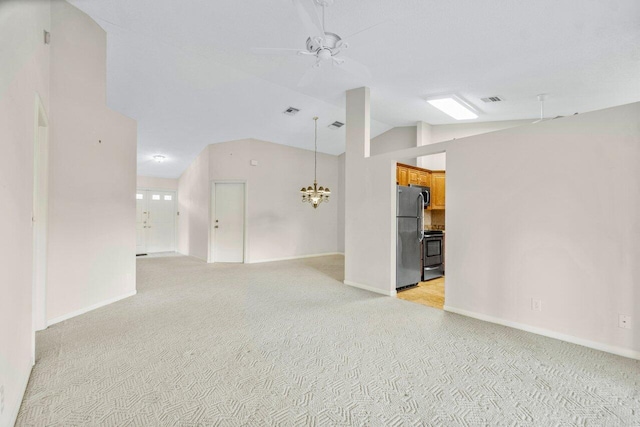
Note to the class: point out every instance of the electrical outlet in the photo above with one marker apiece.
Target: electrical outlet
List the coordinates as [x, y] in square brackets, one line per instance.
[624, 321]
[536, 304]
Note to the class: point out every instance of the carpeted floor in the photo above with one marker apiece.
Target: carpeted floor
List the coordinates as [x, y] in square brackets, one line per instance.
[287, 344]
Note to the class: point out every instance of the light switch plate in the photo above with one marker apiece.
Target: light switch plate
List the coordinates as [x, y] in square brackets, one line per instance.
[254, 163]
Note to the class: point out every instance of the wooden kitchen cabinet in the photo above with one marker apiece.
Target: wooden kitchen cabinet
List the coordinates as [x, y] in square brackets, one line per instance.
[438, 190]
[402, 175]
[414, 177]
[435, 180]
[407, 174]
[424, 179]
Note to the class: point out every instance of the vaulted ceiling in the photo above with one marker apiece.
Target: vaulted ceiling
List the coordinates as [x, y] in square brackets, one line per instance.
[186, 72]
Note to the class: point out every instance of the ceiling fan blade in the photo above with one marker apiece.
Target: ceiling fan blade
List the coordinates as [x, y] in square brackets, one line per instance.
[275, 51]
[310, 18]
[353, 67]
[309, 76]
[344, 39]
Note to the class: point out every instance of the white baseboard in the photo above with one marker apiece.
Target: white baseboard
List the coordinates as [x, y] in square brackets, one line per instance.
[620, 351]
[90, 308]
[371, 288]
[294, 257]
[193, 256]
[13, 415]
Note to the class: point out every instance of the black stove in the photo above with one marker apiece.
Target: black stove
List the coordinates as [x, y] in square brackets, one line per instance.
[433, 254]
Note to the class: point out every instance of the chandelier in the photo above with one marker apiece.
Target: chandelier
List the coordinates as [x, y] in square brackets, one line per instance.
[315, 195]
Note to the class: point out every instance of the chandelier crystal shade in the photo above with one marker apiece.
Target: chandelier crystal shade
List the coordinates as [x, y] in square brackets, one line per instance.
[315, 195]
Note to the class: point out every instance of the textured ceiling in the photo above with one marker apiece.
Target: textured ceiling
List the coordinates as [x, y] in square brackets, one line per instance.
[185, 71]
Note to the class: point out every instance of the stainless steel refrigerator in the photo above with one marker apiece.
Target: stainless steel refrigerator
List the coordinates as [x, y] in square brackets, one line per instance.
[410, 225]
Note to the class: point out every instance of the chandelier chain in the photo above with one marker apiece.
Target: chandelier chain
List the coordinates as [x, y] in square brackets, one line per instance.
[315, 156]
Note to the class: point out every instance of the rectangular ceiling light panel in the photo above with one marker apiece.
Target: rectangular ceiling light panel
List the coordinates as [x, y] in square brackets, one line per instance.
[453, 107]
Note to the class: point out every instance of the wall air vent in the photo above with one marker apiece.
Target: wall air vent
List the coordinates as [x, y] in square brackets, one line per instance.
[493, 99]
[291, 111]
[336, 125]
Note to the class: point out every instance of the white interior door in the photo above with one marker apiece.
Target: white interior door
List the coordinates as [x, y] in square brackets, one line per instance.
[228, 222]
[155, 221]
[141, 221]
[161, 221]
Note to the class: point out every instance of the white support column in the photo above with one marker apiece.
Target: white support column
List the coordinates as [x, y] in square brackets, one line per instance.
[369, 204]
[358, 123]
[423, 133]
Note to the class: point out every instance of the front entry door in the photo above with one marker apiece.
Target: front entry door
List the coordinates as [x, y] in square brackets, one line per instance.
[155, 221]
[228, 222]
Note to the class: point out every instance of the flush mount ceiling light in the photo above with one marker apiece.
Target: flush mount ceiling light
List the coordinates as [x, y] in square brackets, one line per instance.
[453, 106]
[159, 158]
[315, 195]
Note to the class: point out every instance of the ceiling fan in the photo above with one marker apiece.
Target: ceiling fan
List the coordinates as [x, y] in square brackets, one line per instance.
[325, 46]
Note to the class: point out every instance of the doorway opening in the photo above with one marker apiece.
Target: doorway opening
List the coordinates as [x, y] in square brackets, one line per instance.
[39, 218]
[429, 173]
[156, 216]
[228, 222]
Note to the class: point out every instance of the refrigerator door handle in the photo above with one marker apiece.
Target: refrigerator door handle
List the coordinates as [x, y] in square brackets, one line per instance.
[421, 218]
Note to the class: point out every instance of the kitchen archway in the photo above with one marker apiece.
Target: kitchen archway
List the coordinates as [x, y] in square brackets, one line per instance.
[428, 173]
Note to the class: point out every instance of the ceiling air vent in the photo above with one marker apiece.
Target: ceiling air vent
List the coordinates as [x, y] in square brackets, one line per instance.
[492, 99]
[336, 125]
[291, 111]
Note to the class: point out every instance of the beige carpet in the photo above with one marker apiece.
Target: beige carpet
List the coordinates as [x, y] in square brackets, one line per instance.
[287, 344]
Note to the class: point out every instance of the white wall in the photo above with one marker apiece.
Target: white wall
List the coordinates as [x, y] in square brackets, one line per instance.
[405, 137]
[24, 71]
[193, 205]
[394, 139]
[546, 211]
[441, 133]
[93, 173]
[280, 225]
[341, 201]
[549, 211]
[91, 237]
[156, 183]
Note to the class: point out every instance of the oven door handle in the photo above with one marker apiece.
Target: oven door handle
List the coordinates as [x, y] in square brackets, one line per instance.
[421, 218]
